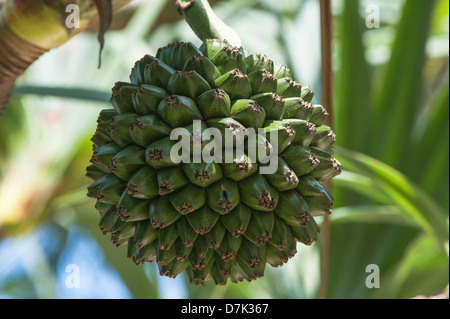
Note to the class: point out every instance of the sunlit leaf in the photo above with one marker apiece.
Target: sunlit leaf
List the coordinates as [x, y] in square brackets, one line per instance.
[371, 214]
[415, 204]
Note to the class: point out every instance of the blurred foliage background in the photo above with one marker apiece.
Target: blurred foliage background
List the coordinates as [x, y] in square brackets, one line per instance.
[391, 119]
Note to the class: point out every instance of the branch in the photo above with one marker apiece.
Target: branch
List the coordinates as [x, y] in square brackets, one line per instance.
[17, 55]
[29, 28]
[204, 22]
[326, 20]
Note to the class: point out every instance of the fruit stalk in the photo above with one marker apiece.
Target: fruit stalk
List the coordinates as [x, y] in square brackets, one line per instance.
[205, 23]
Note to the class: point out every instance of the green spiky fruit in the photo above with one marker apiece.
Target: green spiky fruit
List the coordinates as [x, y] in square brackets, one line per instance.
[226, 217]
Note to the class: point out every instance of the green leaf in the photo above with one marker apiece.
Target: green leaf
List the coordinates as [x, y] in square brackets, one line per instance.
[377, 214]
[399, 97]
[422, 268]
[362, 185]
[65, 92]
[353, 81]
[416, 205]
[431, 127]
[430, 147]
[353, 246]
